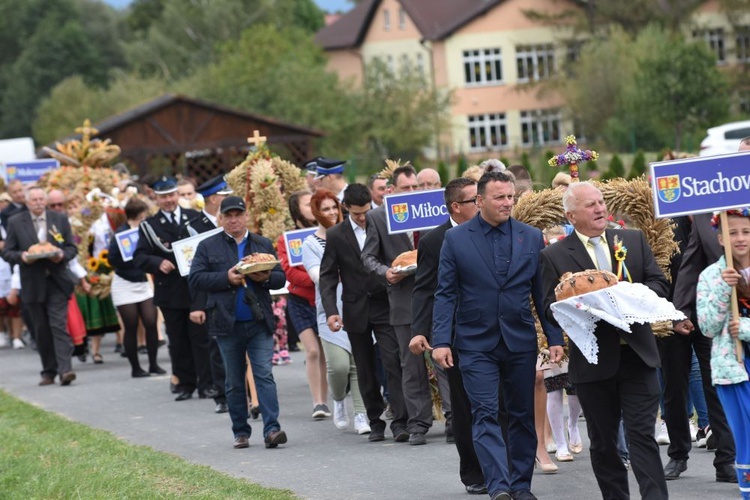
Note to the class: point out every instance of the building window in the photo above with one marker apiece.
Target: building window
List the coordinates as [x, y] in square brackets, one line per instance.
[540, 127]
[420, 64]
[535, 62]
[743, 44]
[401, 18]
[482, 67]
[389, 65]
[387, 20]
[405, 65]
[489, 131]
[715, 40]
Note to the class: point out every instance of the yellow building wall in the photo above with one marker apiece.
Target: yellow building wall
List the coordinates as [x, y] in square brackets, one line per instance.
[347, 64]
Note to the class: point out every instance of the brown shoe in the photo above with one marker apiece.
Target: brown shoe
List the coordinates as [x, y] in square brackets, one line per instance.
[241, 442]
[47, 381]
[67, 377]
[275, 438]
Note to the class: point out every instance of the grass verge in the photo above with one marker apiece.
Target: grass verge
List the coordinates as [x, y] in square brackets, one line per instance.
[43, 455]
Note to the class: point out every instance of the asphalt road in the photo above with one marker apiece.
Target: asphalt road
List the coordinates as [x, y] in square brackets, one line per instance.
[319, 462]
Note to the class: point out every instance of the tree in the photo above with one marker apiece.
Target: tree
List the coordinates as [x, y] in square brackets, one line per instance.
[56, 118]
[616, 168]
[679, 87]
[639, 165]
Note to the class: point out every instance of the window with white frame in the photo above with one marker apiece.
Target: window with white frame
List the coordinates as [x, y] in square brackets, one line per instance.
[714, 38]
[401, 18]
[482, 67]
[488, 131]
[420, 64]
[541, 126]
[389, 64]
[535, 62]
[387, 20]
[742, 41]
[405, 64]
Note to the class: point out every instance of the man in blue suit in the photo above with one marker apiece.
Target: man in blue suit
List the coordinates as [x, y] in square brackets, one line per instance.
[488, 268]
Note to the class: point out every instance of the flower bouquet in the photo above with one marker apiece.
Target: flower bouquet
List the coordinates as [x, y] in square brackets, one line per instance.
[99, 275]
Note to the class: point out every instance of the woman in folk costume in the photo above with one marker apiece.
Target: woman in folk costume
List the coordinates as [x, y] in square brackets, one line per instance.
[100, 314]
[713, 304]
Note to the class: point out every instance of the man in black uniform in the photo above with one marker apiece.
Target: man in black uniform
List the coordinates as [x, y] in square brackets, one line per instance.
[213, 192]
[188, 342]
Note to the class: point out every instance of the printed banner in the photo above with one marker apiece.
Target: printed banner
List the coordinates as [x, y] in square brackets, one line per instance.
[126, 242]
[699, 185]
[293, 241]
[29, 171]
[415, 211]
[184, 250]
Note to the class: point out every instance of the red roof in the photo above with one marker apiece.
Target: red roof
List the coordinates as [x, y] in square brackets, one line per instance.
[435, 19]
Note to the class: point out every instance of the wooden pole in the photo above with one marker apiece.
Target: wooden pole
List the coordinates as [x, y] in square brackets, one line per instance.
[730, 264]
[253, 403]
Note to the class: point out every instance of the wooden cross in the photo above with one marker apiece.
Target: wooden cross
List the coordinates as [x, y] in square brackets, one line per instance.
[87, 130]
[257, 139]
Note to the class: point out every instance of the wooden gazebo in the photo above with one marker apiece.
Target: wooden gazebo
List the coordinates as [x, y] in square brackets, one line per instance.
[176, 134]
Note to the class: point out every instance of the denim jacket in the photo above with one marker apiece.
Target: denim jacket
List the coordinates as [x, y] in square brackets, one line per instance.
[714, 313]
[208, 272]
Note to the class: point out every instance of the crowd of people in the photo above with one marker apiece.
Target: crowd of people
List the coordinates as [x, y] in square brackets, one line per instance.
[456, 339]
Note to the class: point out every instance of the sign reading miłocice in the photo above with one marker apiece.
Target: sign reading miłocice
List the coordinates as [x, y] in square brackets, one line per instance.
[415, 211]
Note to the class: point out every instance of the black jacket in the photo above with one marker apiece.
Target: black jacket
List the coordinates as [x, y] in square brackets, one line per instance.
[125, 270]
[208, 273]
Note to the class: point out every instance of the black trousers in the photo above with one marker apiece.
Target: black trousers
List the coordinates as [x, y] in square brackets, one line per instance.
[363, 350]
[632, 393]
[53, 343]
[676, 361]
[189, 350]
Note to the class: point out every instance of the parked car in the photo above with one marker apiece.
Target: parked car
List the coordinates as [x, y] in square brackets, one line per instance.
[725, 138]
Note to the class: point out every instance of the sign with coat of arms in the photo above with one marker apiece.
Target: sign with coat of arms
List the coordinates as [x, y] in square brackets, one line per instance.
[293, 241]
[699, 185]
[415, 211]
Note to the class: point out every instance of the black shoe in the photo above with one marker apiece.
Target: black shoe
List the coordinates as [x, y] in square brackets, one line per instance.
[143, 350]
[221, 408]
[67, 377]
[476, 489]
[449, 438]
[158, 370]
[502, 495]
[140, 373]
[522, 495]
[183, 395]
[209, 393]
[275, 438]
[173, 388]
[118, 348]
[417, 438]
[726, 474]
[400, 435]
[376, 436]
[162, 343]
[674, 468]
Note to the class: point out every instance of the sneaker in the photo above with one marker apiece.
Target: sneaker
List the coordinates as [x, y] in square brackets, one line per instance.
[321, 411]
[388, 412]
[18, 344]
[276, 360]
[710, 441]
[340, 419]
[700, 438]
[663, 437]
[626, 462]
[693, 430]
[285, 358]
[4, 339]
[360, 424]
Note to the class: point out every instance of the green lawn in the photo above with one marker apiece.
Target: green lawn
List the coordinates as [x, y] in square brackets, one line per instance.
[46, 456]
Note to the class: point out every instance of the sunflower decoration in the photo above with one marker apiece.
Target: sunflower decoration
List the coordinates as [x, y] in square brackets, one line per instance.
[92, 264]
[99, 274]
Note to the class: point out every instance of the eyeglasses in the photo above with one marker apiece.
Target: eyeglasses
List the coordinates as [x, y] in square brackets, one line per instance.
[56, 205]
[471, 200]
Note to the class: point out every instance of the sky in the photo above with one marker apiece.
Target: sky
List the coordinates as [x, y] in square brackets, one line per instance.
[328, 5]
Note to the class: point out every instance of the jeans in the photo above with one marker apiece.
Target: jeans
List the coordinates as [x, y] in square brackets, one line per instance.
[695, 393]
[254, 339]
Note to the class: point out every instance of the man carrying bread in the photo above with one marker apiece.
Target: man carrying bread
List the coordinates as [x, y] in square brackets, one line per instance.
[624, 381]
[239, 315]
[378, 255]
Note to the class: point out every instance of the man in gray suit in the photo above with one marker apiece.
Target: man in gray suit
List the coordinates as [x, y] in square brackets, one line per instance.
[46, 283]
[377, 255]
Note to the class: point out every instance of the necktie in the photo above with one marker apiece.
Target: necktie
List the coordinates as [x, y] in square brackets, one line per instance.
[40, 229]
[601, 254]
[416, 240]
[174, 219]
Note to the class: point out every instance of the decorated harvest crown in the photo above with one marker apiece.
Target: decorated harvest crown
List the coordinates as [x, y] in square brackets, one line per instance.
[716, 219]
[572, 157]
[391, 166]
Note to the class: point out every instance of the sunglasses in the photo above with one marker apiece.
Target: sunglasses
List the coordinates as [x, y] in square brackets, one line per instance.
[56, 205]
[471, 200]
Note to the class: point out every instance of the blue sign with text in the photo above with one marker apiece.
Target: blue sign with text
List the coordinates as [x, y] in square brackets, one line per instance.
[29, 171]
[699, 185]
[126, 242]
[415, 211]
[293, 241]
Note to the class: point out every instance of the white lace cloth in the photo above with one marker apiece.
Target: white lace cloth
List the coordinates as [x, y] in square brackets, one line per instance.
[620, 305]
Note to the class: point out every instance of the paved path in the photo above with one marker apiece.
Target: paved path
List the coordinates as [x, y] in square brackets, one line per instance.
[319, 462]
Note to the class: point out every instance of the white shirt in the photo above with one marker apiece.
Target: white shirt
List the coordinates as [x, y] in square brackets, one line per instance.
[453, 223]
[340, 196]
[359, 233]
[212, 218]
[174, 216]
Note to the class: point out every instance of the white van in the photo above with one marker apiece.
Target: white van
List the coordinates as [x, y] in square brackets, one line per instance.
[724, 139]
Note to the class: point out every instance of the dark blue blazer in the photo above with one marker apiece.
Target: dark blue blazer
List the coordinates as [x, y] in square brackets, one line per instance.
[208, 273]
[486, 309]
